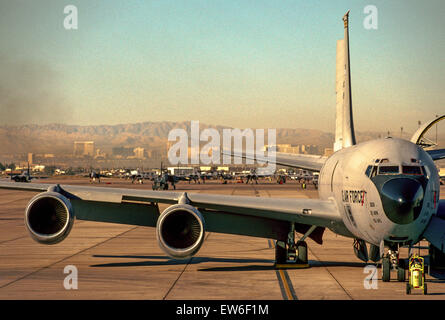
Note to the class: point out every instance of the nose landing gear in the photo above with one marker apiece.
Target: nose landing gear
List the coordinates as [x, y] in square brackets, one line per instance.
[391, 261]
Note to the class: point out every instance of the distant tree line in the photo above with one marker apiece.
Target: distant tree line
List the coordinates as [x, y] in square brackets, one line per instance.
[7, 166]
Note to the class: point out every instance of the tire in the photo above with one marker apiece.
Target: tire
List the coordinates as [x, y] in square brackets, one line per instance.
[280, 253]
[386, 269]
[302, 252]
[425, 291]
[408, 288]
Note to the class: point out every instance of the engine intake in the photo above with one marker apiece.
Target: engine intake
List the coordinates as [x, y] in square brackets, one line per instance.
[49, 217]
[180, 231]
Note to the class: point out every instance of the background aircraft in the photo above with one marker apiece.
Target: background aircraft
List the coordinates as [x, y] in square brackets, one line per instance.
[25, 176]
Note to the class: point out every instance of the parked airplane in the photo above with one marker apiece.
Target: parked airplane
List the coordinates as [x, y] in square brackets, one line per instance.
[25, 176]
[382, 192]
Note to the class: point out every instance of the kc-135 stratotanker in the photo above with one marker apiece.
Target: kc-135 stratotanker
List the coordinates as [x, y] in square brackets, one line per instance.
[384, 193]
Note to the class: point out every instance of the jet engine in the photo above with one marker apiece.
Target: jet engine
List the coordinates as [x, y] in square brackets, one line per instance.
[49, 217]
[180, 231]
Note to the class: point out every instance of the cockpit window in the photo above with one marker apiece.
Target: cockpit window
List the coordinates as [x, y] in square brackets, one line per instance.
[368, 171]
[426, 171]
[415, 170]
[388, 169]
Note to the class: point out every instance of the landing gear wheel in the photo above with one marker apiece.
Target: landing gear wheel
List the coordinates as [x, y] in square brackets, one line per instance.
[408, 288]
[425, 291]
[302, 252]
[280, 252]
[386, 269]
[401, 274]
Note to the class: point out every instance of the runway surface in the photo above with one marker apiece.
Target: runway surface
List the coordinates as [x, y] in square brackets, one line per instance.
[125, 262]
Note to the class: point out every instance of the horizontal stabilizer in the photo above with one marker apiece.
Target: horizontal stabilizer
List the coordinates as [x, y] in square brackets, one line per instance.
[301, 161]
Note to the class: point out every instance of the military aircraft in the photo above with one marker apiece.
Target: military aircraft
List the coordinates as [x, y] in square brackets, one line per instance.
[93, 176]
[383, 192]
[25, 176]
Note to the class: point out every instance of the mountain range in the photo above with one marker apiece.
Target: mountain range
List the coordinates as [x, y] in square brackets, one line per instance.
[59, 138]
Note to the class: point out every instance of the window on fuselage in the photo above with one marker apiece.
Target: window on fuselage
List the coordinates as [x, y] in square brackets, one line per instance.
[388, 169]
[412, 170]
[374, 171]
[368, 171]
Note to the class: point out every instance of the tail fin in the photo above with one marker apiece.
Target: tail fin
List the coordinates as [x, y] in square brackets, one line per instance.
[344, 124]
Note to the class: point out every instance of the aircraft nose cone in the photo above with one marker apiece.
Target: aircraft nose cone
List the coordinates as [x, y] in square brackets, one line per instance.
[402, 199]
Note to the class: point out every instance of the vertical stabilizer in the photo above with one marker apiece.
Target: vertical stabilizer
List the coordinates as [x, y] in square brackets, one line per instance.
[344, 124]
[340, 90]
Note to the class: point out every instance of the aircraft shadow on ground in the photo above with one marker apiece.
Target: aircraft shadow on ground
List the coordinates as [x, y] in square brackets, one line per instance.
[312, 264]
[164, 260]
[151, 261]
[438, 275]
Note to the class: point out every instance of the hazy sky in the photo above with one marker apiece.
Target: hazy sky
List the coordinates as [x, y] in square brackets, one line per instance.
[259, 64]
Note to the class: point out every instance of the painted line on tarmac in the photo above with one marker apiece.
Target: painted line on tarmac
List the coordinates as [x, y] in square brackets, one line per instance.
[286, 286]
[287, 289]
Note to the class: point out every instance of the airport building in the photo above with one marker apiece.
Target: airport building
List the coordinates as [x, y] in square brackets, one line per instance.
[139, 153]
[328, 152]
[296, 149]
[123, 152]
[84, 148]
[181, 171]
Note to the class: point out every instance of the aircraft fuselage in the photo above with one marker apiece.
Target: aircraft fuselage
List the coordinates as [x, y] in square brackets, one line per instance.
[385, 189]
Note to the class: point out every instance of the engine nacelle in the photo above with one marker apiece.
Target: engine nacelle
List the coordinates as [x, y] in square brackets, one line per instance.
[49, 217]
[180, 231]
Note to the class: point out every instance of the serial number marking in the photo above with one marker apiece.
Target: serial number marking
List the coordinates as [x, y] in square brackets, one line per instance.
[244, 309]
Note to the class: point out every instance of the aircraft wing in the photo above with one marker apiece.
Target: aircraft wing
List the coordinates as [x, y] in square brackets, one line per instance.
[437, 154]
[301, 161]
[243, 215]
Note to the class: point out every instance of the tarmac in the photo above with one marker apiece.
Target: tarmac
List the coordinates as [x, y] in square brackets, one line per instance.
[125, 262]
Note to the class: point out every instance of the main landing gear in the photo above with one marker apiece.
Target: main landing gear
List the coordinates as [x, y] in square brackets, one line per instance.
[291, 254]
